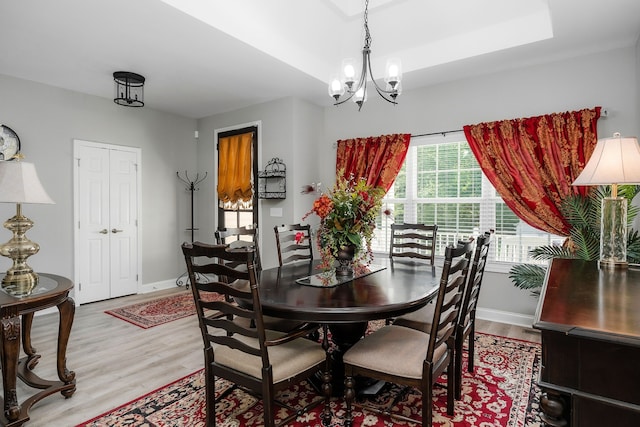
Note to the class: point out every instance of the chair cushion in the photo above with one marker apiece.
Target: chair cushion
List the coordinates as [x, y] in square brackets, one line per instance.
[287, 359]
[394, 350]
[419, 319]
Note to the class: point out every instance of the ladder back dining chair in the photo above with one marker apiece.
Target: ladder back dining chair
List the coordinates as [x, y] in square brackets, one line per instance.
[293, 243]
[416, 241]
[240, 236]
[410, 357]
[252, 358]
[467, 320]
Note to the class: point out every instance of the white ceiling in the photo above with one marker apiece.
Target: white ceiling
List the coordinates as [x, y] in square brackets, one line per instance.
[203, 57]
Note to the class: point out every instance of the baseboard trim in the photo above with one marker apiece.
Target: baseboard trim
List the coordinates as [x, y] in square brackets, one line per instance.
[157, 286]
[511, 318]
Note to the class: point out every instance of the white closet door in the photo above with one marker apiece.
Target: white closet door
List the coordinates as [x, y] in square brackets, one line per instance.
[107, 222]
[123, 223]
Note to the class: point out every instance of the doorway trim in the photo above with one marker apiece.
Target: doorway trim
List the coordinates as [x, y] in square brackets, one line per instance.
[216, 132]
[76, 206]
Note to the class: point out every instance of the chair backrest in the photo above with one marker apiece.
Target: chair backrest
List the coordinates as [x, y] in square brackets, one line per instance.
[238, 236]
[413, 241]
[472, 289]
[449, 300]
[293, 243]
[215, 286]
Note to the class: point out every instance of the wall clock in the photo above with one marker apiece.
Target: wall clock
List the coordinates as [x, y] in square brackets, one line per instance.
[9, 143]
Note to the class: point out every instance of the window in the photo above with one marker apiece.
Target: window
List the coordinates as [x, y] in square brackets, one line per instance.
[441, 183]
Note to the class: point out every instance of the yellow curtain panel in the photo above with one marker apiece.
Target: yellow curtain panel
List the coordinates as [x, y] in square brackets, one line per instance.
[234, 170]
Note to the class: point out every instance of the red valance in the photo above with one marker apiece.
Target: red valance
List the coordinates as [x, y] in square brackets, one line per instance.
[377, 159]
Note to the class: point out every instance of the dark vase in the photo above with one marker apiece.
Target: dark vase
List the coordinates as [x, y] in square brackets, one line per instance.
[345, 261]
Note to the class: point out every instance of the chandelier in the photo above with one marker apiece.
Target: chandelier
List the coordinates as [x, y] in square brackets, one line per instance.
[347, 85]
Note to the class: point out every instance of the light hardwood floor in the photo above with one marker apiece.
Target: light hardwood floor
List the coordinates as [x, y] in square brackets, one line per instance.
[116, 362]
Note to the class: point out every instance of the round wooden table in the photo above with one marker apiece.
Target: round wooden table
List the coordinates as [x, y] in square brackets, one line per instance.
[398, 288]
[16, 320]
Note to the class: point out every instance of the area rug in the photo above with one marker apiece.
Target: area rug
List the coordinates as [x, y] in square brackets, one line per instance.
[501, 392]
[156, 312]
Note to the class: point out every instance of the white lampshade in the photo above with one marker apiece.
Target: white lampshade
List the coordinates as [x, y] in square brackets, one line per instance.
[615, 160]
[19, 183]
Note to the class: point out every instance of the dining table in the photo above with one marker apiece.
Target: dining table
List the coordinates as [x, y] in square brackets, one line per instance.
[385, 289]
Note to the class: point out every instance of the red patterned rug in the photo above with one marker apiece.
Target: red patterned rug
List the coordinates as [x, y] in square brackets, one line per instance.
[156, 312]
[501, 392]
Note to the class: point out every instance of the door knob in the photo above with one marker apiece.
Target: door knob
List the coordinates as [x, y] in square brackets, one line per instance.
[103, 231]
[114, 230]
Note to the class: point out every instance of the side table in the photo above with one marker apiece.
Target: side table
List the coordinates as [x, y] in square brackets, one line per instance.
[16, 317]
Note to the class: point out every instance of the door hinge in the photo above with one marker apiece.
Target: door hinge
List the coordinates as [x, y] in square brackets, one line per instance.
[80, 287]
[136, 277]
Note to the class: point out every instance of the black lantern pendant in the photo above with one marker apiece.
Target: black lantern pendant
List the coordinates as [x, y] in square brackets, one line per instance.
[129, 89]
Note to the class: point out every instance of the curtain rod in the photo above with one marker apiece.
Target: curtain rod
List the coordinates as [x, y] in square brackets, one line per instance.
[444, 133]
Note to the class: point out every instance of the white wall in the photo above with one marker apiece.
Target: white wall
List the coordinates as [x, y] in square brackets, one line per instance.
[48, 119]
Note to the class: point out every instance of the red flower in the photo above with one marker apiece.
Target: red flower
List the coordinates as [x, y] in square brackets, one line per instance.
[299, 237]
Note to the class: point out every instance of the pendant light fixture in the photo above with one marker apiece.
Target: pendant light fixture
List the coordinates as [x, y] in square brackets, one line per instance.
[129, 89]
[356, 88]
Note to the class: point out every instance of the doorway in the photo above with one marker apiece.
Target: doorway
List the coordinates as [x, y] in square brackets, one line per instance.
[239, 213]
[106, 228]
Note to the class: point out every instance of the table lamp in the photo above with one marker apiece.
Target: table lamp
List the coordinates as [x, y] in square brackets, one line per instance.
[614, 161]
[19, 184]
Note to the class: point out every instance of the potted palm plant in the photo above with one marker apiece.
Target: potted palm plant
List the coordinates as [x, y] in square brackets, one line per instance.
[583, 215]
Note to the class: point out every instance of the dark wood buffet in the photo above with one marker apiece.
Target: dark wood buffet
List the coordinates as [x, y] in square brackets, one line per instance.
[589, 319]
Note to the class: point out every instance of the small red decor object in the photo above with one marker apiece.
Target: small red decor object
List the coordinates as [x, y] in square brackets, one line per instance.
[299, 237]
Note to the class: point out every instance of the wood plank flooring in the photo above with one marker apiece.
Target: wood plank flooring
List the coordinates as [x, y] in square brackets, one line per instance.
[116, 362]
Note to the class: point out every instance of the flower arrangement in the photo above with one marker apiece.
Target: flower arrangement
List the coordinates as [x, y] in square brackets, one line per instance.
[348, 216]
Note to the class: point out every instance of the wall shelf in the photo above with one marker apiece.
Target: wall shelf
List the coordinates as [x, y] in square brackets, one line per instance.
[272, 181]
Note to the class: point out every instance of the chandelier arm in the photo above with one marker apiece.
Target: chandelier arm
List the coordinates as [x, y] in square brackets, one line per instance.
[361, 81]
[379, 89]
[384, 96]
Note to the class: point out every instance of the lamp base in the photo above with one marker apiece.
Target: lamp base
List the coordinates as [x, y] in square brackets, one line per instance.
[613, 265]
[20, 283]
[613, 233]
[20, 280]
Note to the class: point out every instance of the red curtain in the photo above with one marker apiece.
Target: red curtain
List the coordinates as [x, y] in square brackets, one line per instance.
[377, 159]
[532, 162]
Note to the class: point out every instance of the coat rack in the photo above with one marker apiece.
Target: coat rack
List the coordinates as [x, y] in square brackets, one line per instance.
[192, 186]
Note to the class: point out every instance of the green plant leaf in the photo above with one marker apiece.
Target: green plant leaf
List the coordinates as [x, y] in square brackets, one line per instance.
[583, 216]
[549, 252]
[528, 276]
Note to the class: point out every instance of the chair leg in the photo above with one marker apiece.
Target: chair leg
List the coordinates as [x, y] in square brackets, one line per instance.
[268, 404]
[427, 400]
[349, 395]
[451, 381]
[472, 347]
[458, 366]
[209, 390]
[210, 396]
